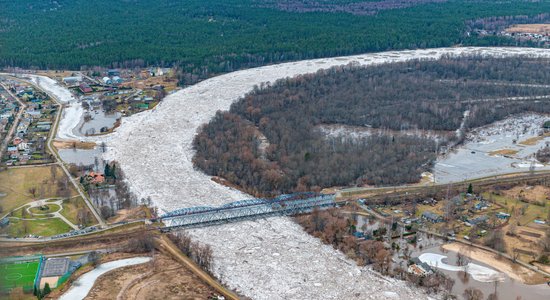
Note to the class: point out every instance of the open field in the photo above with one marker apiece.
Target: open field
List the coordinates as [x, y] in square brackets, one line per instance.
[528, 210]
[18, 274]
[529, 28]
[73, 145]
[42, 227]
[17, 182]
[72, 207]
[164, 278]
[169, 83]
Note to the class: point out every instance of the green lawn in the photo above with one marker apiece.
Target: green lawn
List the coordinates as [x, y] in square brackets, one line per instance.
[72, 206]
[532, 211]
[50, 208]
[16, 184]
[18, 274]
[19, 213]
[47, 227]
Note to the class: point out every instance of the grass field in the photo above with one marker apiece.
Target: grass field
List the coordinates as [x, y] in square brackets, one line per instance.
[530, 211]
[47, 227]
[16, 182]
[50, 208]
[72, 206]
[18, 274]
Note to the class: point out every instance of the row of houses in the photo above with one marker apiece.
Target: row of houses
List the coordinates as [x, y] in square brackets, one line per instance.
[28, 143]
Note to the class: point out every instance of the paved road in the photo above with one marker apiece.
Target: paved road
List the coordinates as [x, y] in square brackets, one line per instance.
[61, 164]
[22, 109]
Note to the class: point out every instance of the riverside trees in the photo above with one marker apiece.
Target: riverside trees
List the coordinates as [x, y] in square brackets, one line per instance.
[271, 141]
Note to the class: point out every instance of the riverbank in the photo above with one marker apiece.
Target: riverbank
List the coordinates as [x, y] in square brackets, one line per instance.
[155, 151]
[514, 271]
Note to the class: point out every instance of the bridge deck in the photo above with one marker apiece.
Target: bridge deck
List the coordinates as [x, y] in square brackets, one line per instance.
[284, 205]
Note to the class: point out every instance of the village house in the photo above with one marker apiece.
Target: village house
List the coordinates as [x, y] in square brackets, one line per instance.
[477, 221]
[85, 88]
[432, 217]
[95, 177]
[419, 268]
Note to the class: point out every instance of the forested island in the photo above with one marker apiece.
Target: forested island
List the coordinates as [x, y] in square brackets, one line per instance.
[273, 139]
[204, 38]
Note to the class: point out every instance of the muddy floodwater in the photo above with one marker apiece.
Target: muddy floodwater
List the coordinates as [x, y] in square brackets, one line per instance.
[507, 288]
[82, 157]
[99, 119]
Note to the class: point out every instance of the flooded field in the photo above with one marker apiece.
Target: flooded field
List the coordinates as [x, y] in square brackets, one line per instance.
[97, 120]
[503, 147]
[481, 275]
[82, 156]
[508, 288]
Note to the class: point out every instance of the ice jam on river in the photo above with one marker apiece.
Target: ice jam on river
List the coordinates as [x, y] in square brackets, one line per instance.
[263, 259]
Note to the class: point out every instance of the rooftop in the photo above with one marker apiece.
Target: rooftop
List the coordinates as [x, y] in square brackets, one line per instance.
[55, 267]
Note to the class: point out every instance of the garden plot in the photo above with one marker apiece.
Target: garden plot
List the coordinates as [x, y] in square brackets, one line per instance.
[265, 259]
[503, 147]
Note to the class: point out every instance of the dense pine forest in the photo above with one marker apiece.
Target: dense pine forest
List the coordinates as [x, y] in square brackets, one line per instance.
[271, 140]
[207, 37]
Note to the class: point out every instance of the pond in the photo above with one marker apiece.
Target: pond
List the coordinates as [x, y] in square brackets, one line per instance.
[82, 286]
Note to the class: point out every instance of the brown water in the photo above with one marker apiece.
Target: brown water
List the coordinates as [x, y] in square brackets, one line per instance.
[509, 289]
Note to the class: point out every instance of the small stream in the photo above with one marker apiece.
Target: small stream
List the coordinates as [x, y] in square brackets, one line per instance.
[82, 286]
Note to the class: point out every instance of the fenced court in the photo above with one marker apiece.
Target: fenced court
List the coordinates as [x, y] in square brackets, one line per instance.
[19, 272]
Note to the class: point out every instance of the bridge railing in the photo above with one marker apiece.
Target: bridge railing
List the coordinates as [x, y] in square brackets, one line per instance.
[241, 210]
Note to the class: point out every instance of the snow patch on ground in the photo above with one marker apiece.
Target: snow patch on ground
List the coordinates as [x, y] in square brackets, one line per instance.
[478, 272]
[155, 151]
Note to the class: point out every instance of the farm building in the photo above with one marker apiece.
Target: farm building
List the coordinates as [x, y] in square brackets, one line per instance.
[116, 79]
[113, 72]
[107, 80]
[72, 80]
[85, 88]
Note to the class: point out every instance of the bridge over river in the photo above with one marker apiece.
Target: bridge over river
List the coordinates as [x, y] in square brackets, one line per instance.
[284, 205]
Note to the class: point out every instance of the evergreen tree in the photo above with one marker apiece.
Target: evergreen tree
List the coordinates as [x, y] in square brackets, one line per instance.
[470, 189]
[107, 170]
[47, 289]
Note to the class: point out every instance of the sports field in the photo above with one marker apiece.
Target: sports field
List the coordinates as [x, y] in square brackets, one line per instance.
[18, 274]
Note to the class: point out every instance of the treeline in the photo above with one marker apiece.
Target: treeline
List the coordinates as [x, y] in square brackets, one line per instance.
[201, 254]
[543, 155]
[205, 38]
[270, 142]
[339, 6]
